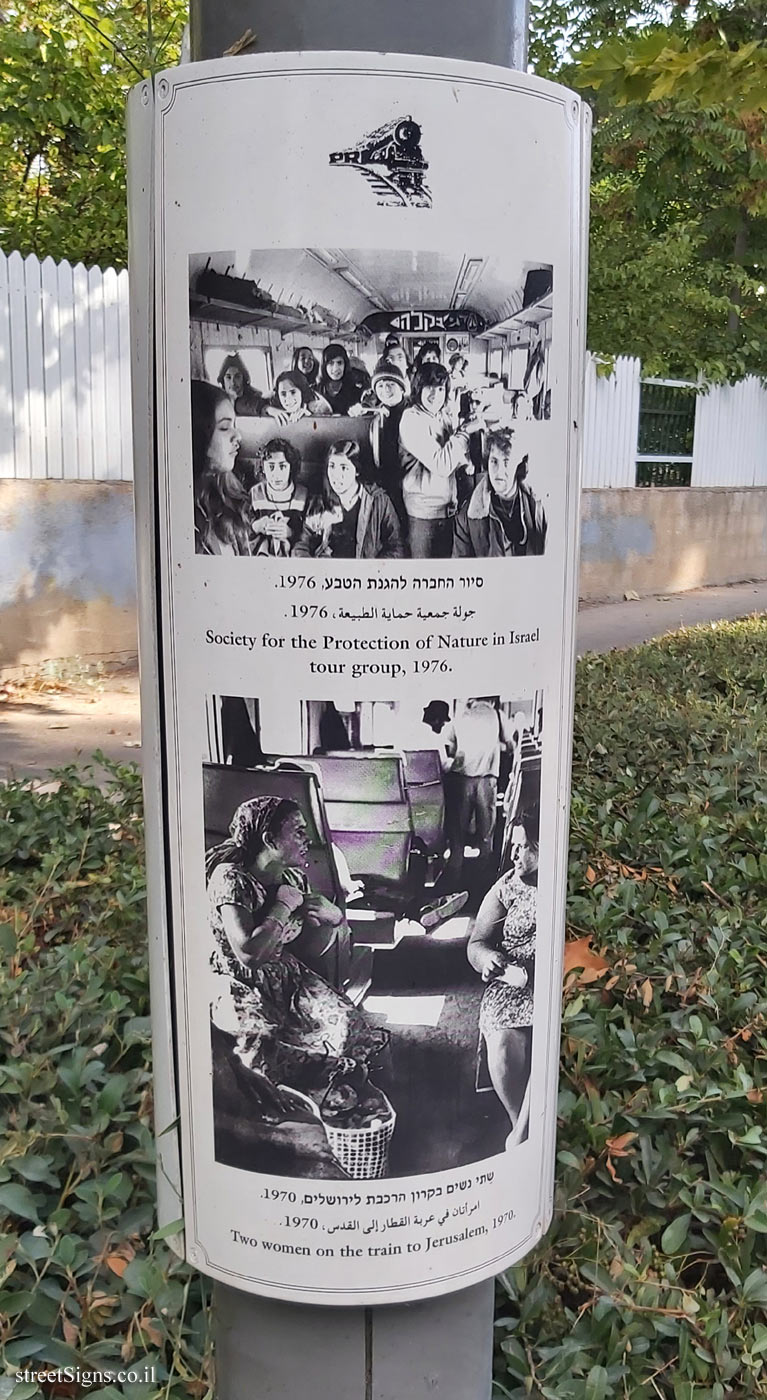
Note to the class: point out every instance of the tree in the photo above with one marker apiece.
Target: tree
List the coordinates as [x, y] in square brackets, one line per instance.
[679, 189]
[65, 71]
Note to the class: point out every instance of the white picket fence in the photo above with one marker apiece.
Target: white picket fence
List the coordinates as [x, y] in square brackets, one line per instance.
[730, 444]
[64, 371]
[610, 424]
[731, 436]
[65, 391]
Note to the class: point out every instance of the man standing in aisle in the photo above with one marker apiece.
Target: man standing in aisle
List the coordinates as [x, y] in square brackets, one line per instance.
[474, 741]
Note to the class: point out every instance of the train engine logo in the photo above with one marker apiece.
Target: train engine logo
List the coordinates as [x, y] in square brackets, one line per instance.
[392, 161]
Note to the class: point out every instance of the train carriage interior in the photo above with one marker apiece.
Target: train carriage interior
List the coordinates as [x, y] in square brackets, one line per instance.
[371, 780]
[266, 304]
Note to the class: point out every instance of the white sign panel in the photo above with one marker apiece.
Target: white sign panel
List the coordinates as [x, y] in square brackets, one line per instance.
[369, 333]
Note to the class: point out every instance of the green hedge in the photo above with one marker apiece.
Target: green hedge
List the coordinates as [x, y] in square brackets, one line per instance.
[78, 1262]
[653, 1278]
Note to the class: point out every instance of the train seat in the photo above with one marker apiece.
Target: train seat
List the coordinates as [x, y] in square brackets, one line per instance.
[360, 776]
[375, 837]
[368, 812]
[426, 794]
[370, 819]
[422, 767]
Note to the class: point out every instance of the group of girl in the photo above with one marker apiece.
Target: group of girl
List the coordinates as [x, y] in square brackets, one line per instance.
[309, 389]
[349, 518]
[426, 443]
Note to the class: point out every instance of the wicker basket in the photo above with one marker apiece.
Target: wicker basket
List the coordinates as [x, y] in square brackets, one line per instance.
[364, 1152]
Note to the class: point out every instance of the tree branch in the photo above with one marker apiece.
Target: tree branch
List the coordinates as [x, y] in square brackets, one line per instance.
[111, 42]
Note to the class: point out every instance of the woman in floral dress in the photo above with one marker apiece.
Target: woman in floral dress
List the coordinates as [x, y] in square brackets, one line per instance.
[291, 1028]
[502, 950]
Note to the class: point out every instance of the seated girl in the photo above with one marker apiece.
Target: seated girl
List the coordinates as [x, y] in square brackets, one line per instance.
[350, 518]
[221, 508]
[294, 399]
[278, 501]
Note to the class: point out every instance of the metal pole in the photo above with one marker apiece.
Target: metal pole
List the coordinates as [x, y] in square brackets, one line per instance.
[267, 1350]
[486, 31]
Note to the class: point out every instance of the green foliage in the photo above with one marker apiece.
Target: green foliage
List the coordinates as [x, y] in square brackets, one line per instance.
[82, 1280]
[653, 1279]
[657, 64]
[678, 257]
[65, 71]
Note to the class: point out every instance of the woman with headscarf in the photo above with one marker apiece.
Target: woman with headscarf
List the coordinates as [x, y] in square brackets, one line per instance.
[350, 518]
[234, 379]
[338, 382]
[222, 519]
[501, 949]
[294, 399]
[290, 1027]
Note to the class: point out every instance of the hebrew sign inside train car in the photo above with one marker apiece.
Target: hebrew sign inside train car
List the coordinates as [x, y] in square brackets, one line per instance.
[369, 322]
[420, 322]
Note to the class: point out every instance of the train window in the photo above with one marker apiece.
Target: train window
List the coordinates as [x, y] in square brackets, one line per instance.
[283, 723]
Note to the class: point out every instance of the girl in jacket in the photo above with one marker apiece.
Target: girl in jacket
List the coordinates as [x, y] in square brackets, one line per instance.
[278, 501]
[339, 385]
[390, 402]
[350, 519]
[222, 522]
[503, 516]
[294, 399]
[432, 450]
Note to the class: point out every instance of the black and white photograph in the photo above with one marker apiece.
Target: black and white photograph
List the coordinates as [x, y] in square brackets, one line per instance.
[369, 403]
[371, 873]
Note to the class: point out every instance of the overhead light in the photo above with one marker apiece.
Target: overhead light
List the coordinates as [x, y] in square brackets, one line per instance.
[358, 284]
[467, 280]
[334, 263]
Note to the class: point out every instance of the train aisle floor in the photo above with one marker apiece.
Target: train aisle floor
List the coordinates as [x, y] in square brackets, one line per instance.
[427, 996]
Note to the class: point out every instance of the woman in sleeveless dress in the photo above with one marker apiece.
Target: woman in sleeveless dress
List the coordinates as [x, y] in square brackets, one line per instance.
[502, 950]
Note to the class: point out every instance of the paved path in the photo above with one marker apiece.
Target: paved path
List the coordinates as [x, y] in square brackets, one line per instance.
[604, 626]
[43, 731]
